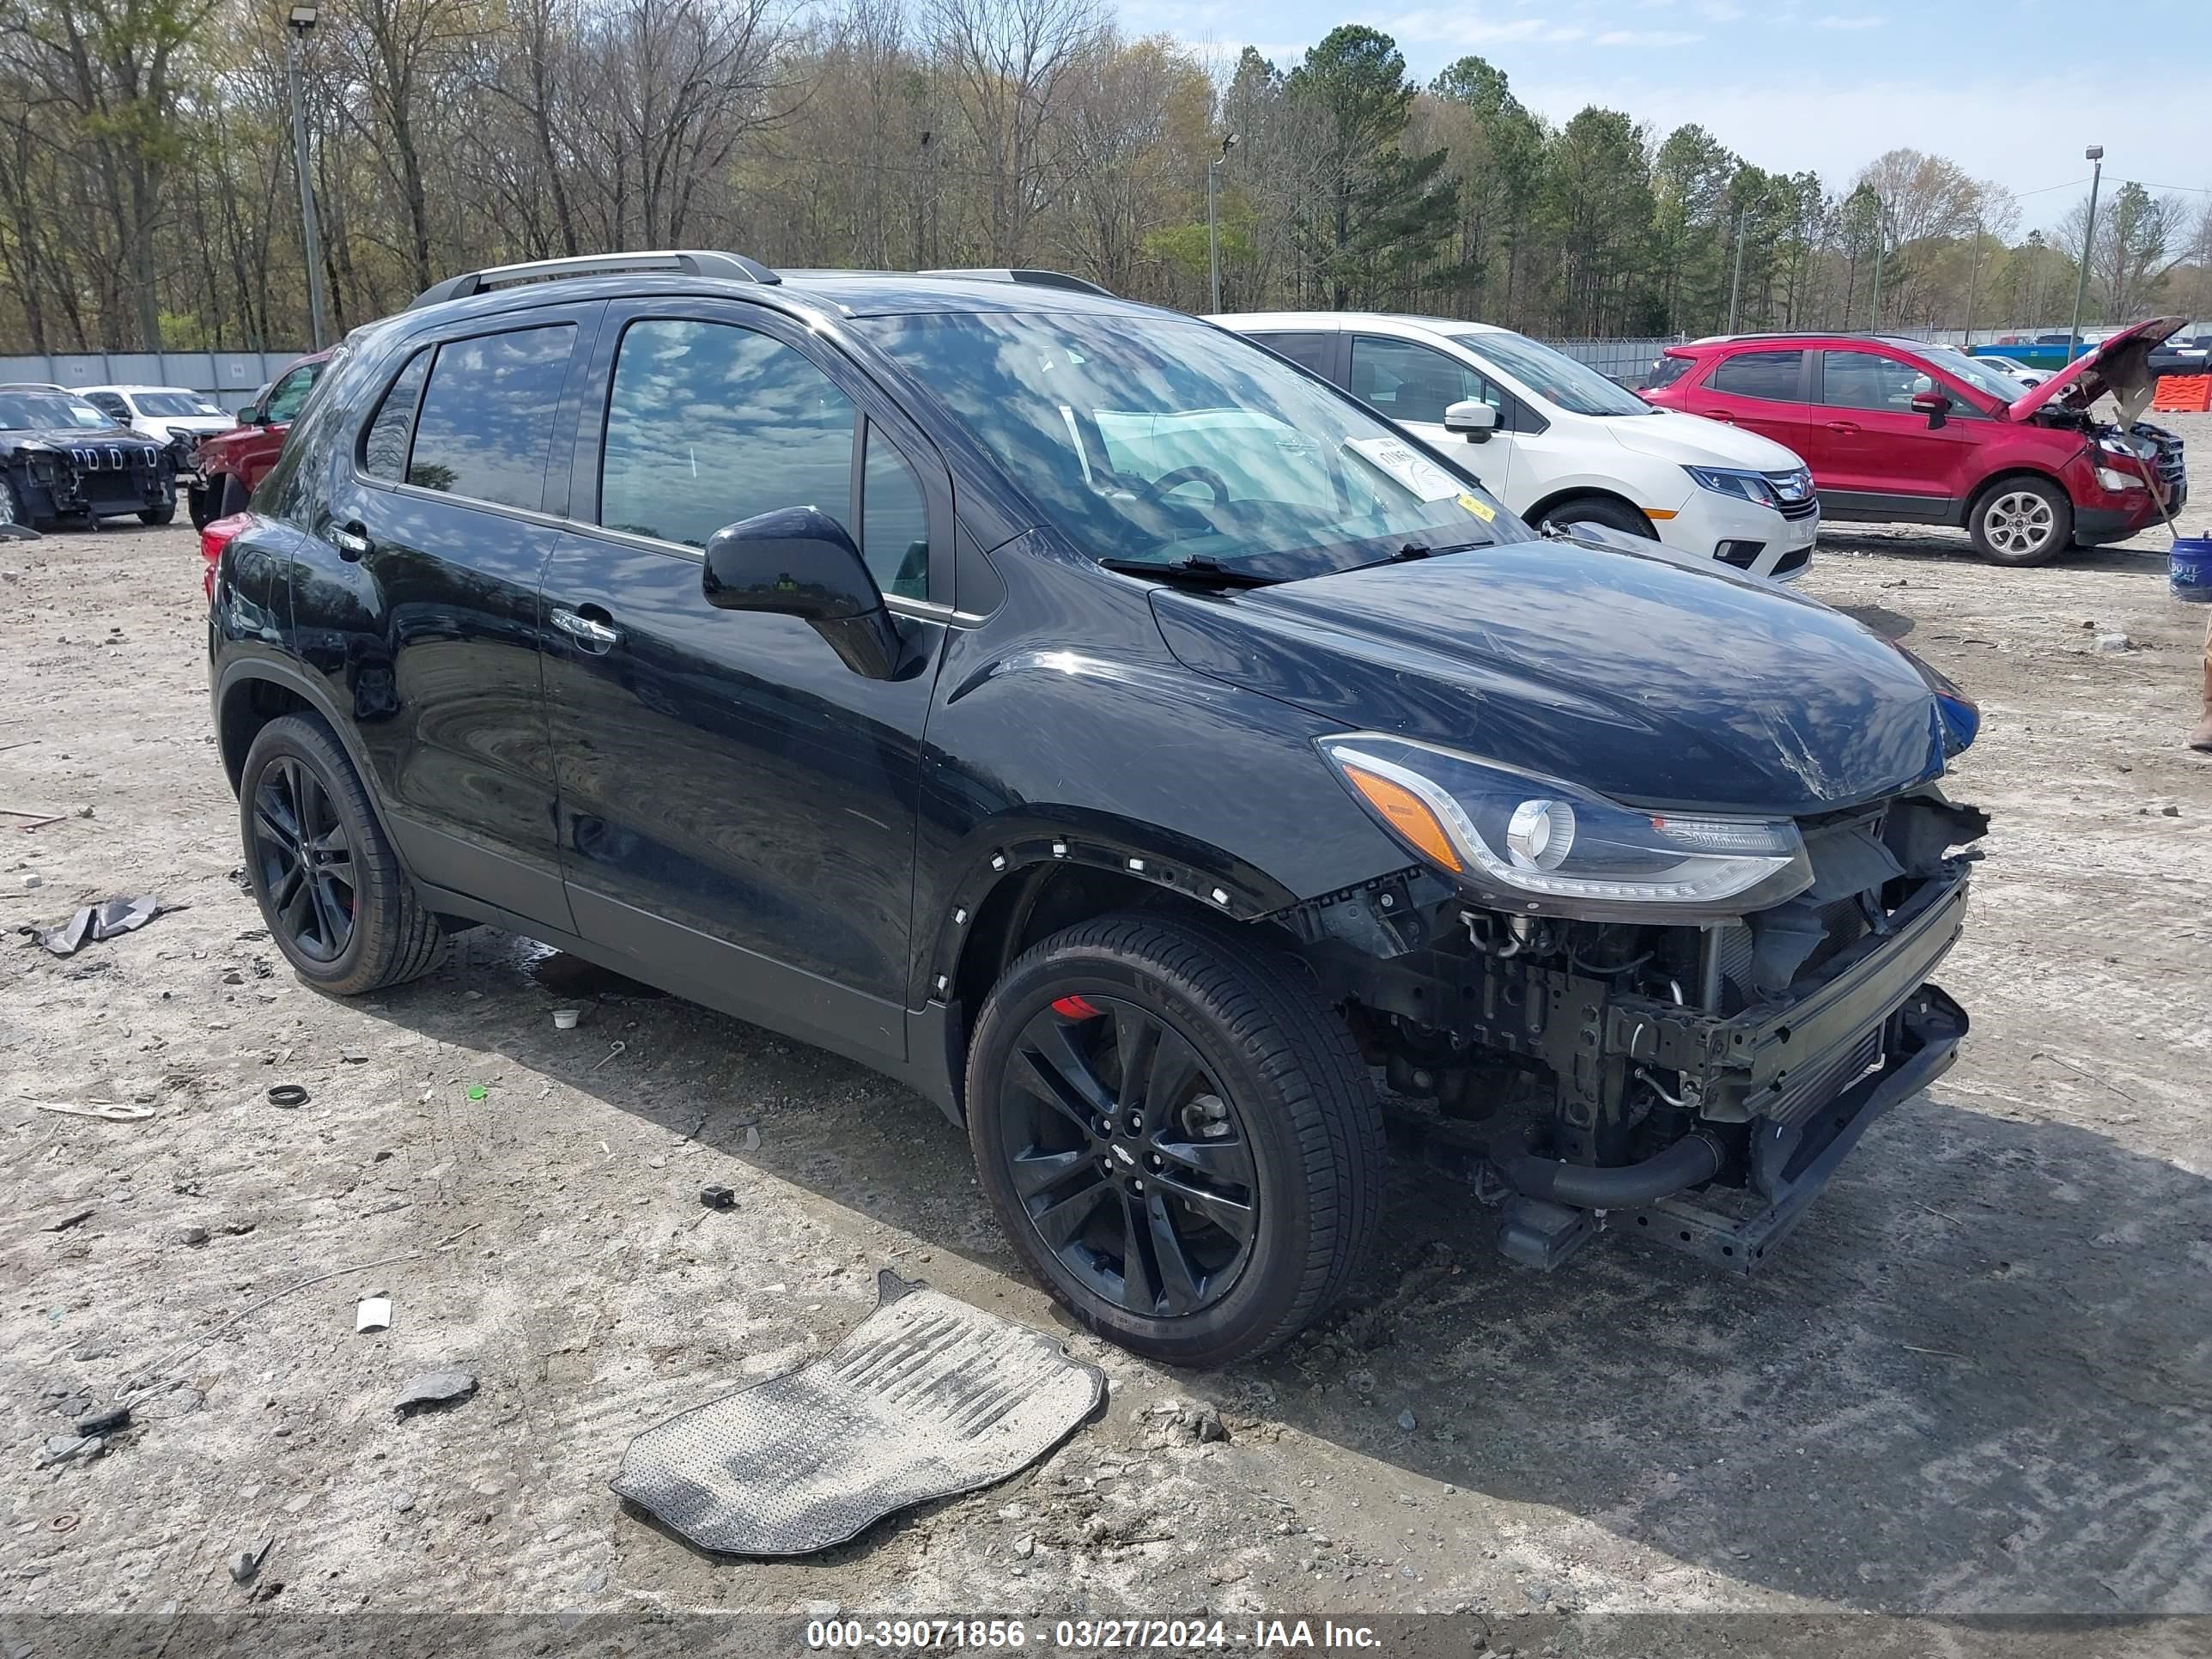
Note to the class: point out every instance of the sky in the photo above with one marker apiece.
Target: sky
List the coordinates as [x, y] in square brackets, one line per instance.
[2013, 90]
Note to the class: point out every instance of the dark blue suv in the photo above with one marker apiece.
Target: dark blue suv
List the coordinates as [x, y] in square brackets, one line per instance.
[1116, 732]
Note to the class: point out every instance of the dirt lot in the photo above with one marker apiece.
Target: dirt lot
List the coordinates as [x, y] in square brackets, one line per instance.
[1979, 1379]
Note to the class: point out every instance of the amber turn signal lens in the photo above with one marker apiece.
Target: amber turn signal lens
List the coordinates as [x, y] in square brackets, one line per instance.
[1406, 812]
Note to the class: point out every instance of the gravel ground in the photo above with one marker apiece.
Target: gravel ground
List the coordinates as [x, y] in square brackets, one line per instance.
[1976, 1381]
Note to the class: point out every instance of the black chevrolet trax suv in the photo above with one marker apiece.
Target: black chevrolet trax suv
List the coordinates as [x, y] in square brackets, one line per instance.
[1118, 734]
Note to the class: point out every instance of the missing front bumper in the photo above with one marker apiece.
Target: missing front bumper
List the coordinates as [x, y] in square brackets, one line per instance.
[1927, 1030]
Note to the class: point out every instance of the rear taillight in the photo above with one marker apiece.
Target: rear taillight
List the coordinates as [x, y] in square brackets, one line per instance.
[213, 540]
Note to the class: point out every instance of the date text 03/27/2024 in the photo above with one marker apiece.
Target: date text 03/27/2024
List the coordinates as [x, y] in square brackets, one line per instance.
[1091, 1635]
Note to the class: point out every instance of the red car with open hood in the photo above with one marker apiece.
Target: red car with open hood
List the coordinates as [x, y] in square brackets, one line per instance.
[1899, 431]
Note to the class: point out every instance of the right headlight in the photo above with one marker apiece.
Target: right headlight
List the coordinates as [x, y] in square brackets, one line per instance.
[1542, 845]
[1739, 482]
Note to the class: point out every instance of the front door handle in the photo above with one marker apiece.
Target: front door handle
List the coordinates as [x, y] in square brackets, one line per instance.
[595, 637]
[1720, 414]
[352, 539]
[1843, 426]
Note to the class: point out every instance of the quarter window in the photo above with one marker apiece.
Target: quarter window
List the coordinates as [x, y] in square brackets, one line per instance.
[1409, 382]
[708, 423]
[384, 445]
[487, 420]
[894, 521]
[1772, 376]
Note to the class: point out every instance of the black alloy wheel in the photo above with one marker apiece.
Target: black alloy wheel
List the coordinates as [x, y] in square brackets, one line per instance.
[331, 888]
[1130, 1162]
[1177, 1133]
[304, 859]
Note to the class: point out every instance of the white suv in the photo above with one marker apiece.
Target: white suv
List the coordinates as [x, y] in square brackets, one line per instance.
[1562, 444]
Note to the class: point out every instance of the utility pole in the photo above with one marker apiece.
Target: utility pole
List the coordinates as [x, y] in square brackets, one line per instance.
[2095, 157]
[1212, 214]
[301, 24]
[1880, 248]
[1735, 288]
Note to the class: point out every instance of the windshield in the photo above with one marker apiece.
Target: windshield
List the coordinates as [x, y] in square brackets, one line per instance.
[34, 409]
[1554, 376]
[1152, 440]
[175, 405]
[1976, 372]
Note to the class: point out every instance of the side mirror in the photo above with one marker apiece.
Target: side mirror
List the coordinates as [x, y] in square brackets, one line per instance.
[799, 562]
[1934, 404]
[1473, 416]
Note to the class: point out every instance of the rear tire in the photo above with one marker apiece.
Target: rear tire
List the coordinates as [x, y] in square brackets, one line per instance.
[338, 902]
[2021, 521]
[1595, 509]
[1244, 1160]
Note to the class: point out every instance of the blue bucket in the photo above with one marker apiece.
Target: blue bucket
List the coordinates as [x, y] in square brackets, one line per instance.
[2191, 569]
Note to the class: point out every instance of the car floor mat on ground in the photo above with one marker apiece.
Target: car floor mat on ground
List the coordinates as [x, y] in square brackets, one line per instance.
[925, 1398]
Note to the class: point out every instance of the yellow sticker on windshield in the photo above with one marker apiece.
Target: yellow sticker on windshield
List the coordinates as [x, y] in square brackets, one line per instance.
[1480, 508]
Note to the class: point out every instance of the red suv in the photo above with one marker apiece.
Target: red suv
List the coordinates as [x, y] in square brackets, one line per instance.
[1899, 431]
[228, 464]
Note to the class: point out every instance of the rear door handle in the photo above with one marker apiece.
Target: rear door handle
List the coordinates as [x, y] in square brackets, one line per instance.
[595, 637]
[1720, 414]
[352, 539]
[1843, 426]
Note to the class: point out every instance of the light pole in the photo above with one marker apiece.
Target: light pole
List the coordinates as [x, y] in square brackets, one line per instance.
[2095, 157]
[1735, 288]
[1213, 216]
[301, 24]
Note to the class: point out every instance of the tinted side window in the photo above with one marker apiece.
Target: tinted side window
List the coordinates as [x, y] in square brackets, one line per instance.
[1409, 382]
[486, 418]
[1666, 371]
[1868, 380]
[1772, 375]
[1313, 351]
[111, 405]
[708, 423]
[894, 521]
[288, 394]
[384, 445]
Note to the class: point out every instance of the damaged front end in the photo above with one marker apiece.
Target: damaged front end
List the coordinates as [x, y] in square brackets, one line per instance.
[1650, 1048]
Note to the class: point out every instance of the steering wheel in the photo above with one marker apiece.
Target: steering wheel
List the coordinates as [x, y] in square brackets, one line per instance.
[1183, 475]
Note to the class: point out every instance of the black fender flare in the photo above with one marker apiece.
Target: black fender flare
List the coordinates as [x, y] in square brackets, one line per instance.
[1011, 848]
[234, 681]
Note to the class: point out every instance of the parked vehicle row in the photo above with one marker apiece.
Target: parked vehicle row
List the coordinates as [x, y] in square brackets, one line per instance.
[1133, 741]
[1899, 431]
[1560, 444]
[61, 457]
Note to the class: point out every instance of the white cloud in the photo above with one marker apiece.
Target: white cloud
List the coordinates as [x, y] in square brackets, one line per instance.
[1857, 20]
[1457, 28]
[1646, 38]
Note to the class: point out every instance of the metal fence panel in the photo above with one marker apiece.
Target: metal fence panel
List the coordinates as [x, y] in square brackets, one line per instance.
[230, 377]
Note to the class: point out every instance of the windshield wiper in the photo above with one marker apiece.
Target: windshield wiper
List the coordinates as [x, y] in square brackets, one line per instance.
[1196, 568]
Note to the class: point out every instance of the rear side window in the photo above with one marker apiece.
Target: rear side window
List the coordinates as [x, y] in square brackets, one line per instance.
[1308, 351]
[1667, 371]
[1772, 375]
[708, 423]
[487, 420]
[384, 444]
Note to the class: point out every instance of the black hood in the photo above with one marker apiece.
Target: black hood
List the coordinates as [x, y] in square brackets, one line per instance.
[1653, 683]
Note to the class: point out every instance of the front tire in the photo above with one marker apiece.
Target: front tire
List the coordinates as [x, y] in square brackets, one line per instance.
[197, 508]
[164, 514]
[2021, 522]
[1595, 509]
[233, 497]
[338, 902]
[1181, 1142]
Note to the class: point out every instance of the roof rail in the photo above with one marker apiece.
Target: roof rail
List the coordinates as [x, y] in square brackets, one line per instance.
[689, 262]
[1034, 277]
